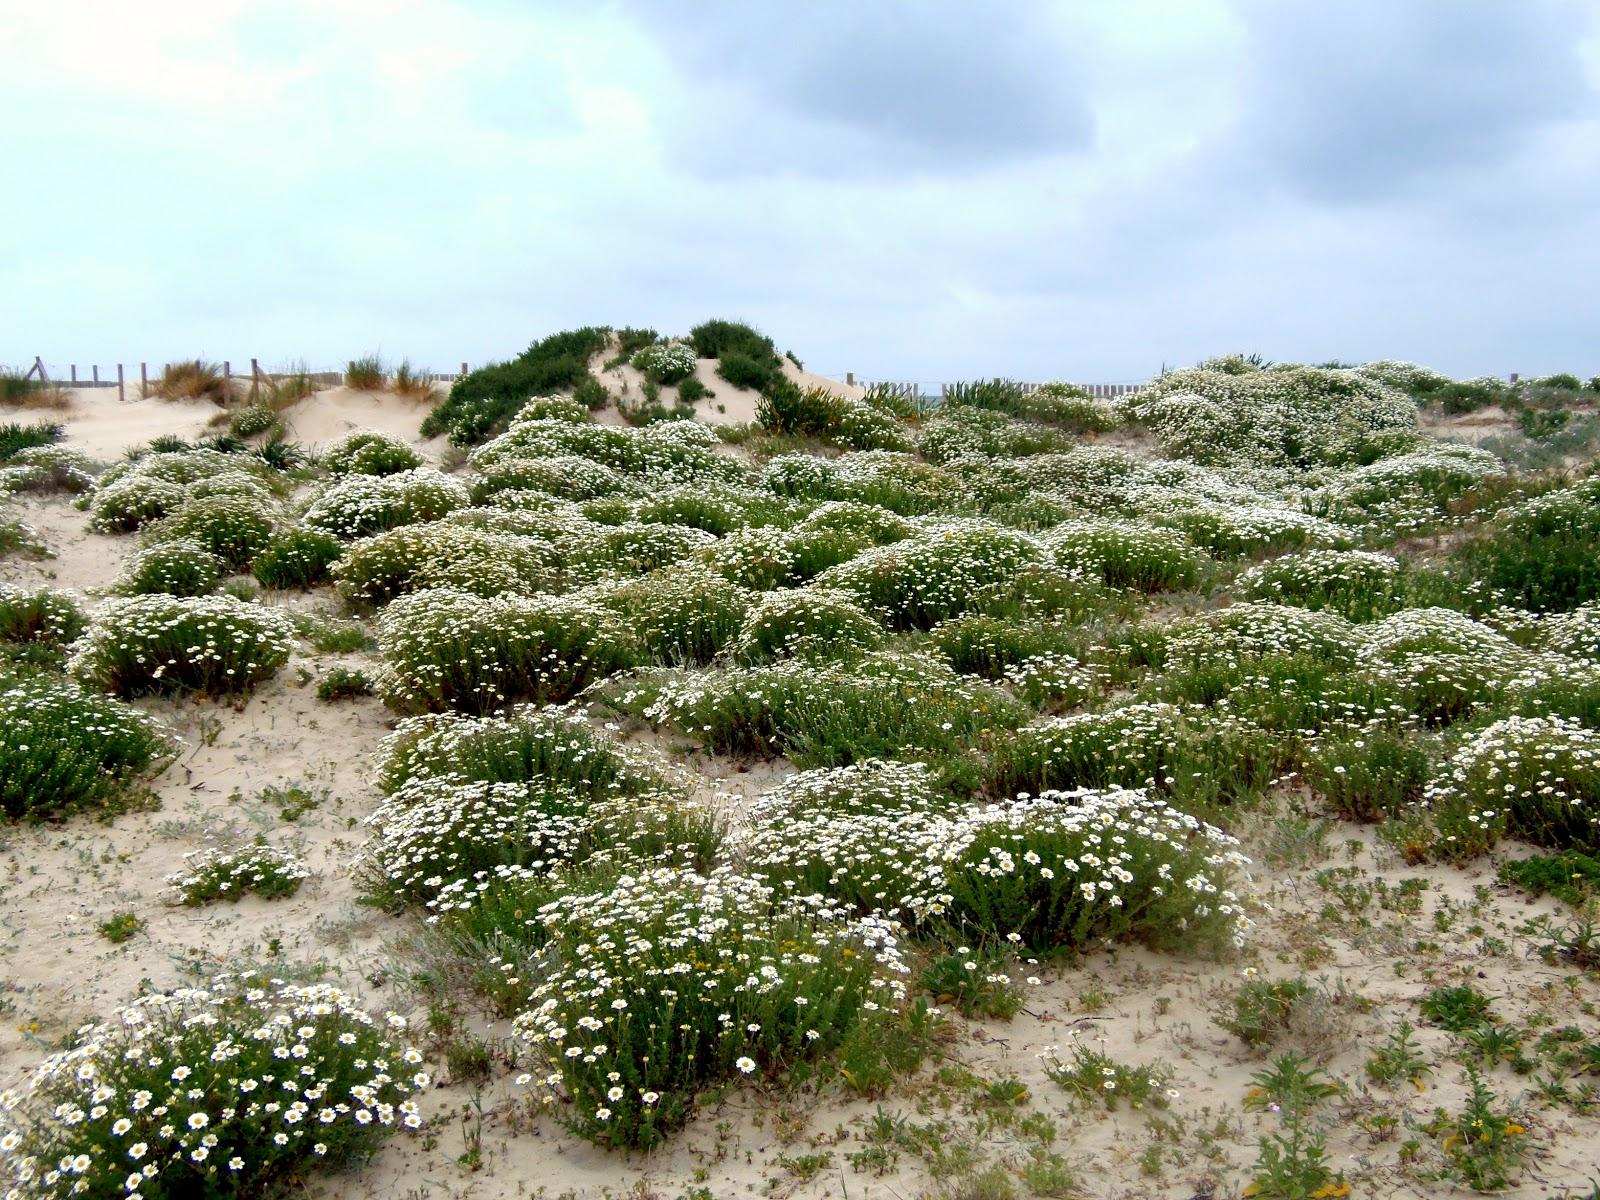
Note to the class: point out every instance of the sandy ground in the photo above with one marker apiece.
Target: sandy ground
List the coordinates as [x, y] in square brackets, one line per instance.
[58, 883]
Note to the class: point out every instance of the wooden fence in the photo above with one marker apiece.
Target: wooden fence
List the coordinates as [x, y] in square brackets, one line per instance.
[119, 378]
[932, 395]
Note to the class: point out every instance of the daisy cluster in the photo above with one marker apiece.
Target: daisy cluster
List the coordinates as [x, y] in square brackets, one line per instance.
[413, 558]
[358, 506]
[364, 452]
[227, 873]
[671, 979]
[160, 644]
[42, 615]
[1360, 584]
[135, 492]
[49, 469]
[666, 362]
[219, 1091]
[805, 622]
[180, 567]
[1125, 554]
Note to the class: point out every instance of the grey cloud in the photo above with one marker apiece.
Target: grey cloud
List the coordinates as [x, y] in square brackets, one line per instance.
[1359, 100]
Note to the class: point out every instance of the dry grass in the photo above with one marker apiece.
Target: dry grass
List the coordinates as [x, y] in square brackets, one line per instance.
[412, 383]
[21, 392]
[279, 391]
[194, 379]
[366, 374]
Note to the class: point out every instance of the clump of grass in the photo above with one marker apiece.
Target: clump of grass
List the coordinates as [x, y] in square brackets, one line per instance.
[120, 928]
[224, 873]
[412, 383]
[17, 389]
[1262, 1009]
[366, 374]
[63, 749]
[15, 437]
[193, 379]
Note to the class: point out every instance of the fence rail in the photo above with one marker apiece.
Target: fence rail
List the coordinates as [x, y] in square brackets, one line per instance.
[926, 395]
[120, 376]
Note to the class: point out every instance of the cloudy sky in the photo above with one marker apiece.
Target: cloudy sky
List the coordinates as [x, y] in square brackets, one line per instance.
[901, 188]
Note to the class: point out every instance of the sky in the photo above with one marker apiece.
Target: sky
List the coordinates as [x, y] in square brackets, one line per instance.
[903, 189]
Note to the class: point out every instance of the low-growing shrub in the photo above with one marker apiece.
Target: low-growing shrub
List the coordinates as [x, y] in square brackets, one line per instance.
[124, 504]
[645, 1049]
[1369, 774]
[63, 749]
[188, 1094]
[806, 622]
[1126, 555]
[412, 558]
[362, 505]
[1543, 553]
[666, 363]
[159, 644]
[48, 469]
[1356, 583]
[297, 558]
[1534, 778]
[15, 437]
[344, 683]
[180, 567]
[39, 616]
[227, 873]
[482, 401]
[1569, 876]
[252, 420]
[1262, 1009]
[364, 452]
[448, 649]
[681, 614]
[233, 528]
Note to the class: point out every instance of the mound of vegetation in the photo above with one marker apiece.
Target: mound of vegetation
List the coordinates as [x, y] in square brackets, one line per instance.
[482, 401]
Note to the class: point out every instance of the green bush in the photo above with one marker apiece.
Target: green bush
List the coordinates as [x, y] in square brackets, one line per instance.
[481, 402]
[15, 437]
[448, 649]
[647, 1050]
[90, 1105]
[745, 370]
[63, 749]
[412, 558]
[806, 622]
[159, 644]
[216, 873]
[180, 567]
[362, 505]
[364, 452]
[297, 558]
[680, 614]
[1356, 583]
[40, 616]
[343, 683]
[1544, 553]
[233, 528]
[1126, 555]
[252, 420]
[666, 363]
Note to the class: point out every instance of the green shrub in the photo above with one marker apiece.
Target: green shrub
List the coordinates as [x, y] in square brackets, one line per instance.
[680, 614]
[159, 644]
[362, 505]
[15, 437]
[218, 873]
[990, 646]
[647, 1050]
[1569, 876]
[364, 452]
[745, 370]
[297, 558]
[210, 1137]
[40, 616]
[252, 420]
[48, 469]
[1534, 778]
[1457, 1008]
[448, 649]
[692, 390]
[1544, 553]
[1126, 555]
[180, 567]
[412, 558]
[233, 528]
[127, 503]
[569, 476]
[806, 622]
[1263, 1008]
[1355, 583]
[713, 339]
[63, 749]
[666, 363]
[1369, 774]
[482, 402]
[343, 683]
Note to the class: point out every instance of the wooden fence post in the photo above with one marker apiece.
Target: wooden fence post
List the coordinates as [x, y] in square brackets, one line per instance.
[121, 395]
[464, 368]
[95, 369]
[74, 368]
[144, 380]
[850, 378]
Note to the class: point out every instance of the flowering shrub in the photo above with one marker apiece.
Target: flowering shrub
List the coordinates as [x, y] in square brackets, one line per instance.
[1053, 681]
[1125, 555]
[361, 505]
[63, 749]
[251, 421]
[1260, 630]
[48, 469]
[126, 504]
[210, 644]
[633, 549]
[181, 567]
[1407, 492]
[1542, 553]
[1074, 869]
[666, 363]
[680, 614]
[39, 616]
[1357, 583]
[991, 646]
[215, 873]
[448, 649]
[1534, 778]
[671, 981]
[675, 451]
[827, 714]
[1236, 530]
[363, 452]
[233, 528]
[1278, 416]
[1575, 634]
[554, 745]
[873, 524]
[716, 508]
[922, 580]
[1435, 630]
[221, 1091]
[883, 478]
[411, 558]
[297, 558]
[805, 622]
[569, 476]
